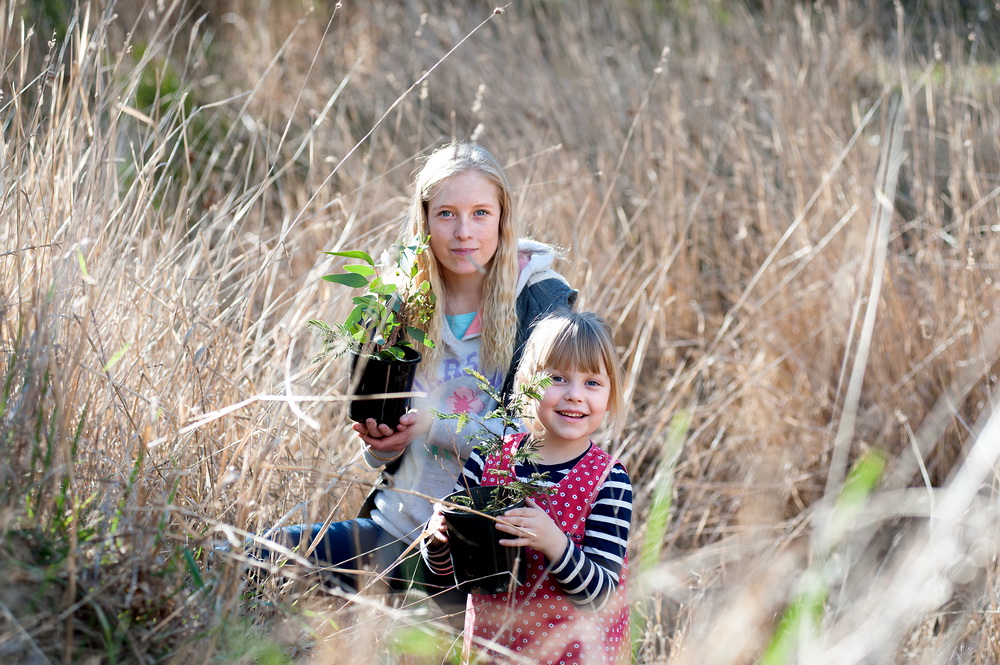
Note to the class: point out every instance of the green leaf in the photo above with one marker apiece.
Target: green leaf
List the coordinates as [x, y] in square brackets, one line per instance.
[347, 279]
[418, 644]
[354, 254]
[463, 420]
[418, 335]
[353, 317]
[476, 375]
[320, 326]
[804, 615]
[83, 264]
[800, 619]
[367, 271]
[115, 358]
[861, 482]
[192, 568]
[862, 479]
[658, 518]
[487, 388]
[391, 353]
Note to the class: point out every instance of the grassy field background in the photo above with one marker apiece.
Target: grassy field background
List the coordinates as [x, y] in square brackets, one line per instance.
[787, 211]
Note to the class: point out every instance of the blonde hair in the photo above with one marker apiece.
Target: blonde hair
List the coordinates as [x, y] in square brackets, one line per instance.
[497, 313]
[577, 341]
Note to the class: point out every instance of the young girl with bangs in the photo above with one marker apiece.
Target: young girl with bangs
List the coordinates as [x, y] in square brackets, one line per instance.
[573, 607]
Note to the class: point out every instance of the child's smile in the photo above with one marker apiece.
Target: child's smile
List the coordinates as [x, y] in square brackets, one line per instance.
[572, 409]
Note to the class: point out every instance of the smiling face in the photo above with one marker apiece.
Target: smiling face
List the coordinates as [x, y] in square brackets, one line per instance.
[573, 408]
[463, 218]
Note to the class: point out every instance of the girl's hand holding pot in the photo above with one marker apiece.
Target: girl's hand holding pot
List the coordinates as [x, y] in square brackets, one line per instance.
[532, 527]
[437, 528]
[390, 443]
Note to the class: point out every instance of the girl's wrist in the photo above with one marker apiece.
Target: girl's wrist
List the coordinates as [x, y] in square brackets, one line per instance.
[556, 554]
[371, 451]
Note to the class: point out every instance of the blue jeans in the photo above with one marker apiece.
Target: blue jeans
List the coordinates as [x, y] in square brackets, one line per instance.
[353, 549]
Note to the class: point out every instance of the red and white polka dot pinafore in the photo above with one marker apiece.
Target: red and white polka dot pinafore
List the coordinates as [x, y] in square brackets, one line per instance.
[539, 622]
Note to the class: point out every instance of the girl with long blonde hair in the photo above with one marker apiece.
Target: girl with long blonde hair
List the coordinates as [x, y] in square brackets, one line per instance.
[490, 286]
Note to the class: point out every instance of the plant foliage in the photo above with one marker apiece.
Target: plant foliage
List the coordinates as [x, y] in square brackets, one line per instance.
[509, 414]
[390, 315]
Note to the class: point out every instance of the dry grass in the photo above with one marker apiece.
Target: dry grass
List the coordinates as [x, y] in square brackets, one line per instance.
[790, 217]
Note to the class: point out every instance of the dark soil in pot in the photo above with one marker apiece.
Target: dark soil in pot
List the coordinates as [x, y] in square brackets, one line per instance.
[379, 377]
[481, 563]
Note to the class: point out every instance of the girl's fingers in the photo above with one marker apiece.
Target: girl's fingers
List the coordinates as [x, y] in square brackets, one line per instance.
[374, 429]
[522, 529]
[519, 512]
[371, 428]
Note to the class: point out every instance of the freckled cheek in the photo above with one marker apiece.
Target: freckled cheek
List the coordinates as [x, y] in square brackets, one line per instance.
[491, 236]
[439, 237]
[490, 250]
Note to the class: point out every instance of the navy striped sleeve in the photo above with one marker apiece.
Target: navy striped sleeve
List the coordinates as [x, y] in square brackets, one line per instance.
[472, 472]
[437, 556]
[589, 573]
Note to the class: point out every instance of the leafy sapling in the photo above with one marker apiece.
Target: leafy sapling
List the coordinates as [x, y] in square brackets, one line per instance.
[390, 315]
[509, 414]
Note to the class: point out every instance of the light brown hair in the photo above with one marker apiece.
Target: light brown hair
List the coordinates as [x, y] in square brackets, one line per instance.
[497, 313]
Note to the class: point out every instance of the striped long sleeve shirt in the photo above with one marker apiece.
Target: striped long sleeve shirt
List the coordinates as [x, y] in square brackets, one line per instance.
[588, 573]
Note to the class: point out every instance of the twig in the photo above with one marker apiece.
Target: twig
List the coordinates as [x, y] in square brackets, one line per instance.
[225, 411]
[28, 249]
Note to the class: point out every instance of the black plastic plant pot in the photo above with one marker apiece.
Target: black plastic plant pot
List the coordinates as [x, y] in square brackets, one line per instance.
[379, 377]
[482, 565]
